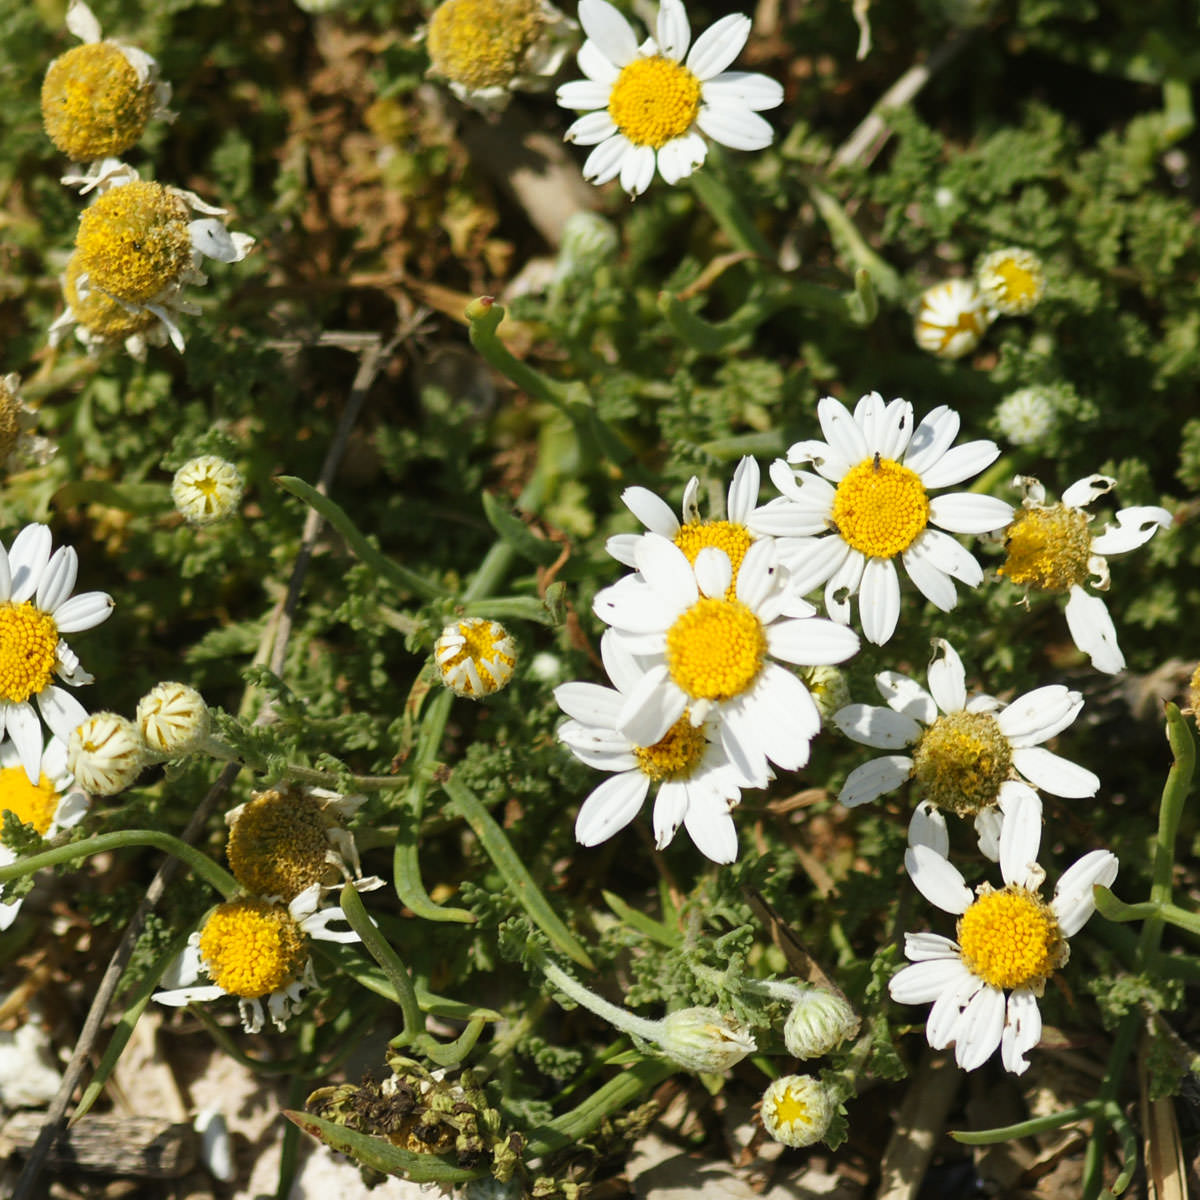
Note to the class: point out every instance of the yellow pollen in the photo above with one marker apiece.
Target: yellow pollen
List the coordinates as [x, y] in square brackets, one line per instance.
[791, 1107]
[252, 948]
[1048, 548]
[716, 649]
[961, 761]
[134, 241]
[93, 105]
[1019, 285]
[676, 754]
[1010, 939]
[880, 507]
[654, 100]
[733, 539]
[28, 651]
[483, 43]
[31, 803]
[101, 315]
[278, 843]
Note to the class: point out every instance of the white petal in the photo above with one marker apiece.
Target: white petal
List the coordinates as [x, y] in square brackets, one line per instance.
[876, 726]
[813, 561]
[811, 642]
[1022, 1030]
[681, 156]
[949, 555]
[947, 679]
[610, 807]
[919, 947]
[875, 778]
[612, 34]
[590, 129]
[631, 604]
[211, 238]
[637, 170]
[747, 88]
[200, 994]
[27, 560]
[651, 708]
[927, 827]
[931, 581]
[965, 512]
[1074, 901]
[979, 1029]
[653, 511]
[1092, 630]
[1038, 715]
[905, 695]
[58, 579]
[713, 832]
[604, 162]
[26, 732]
[988, 826]
[672, 32]
[1053, 774]
[623, 547]
[931, 439]
[82, 22]
[923, 982]
[841, 430]
[879, 600]
[84, 611]
[670, 806]
[842, 584]
[1134, 527]
[584, 95]
[1020, 840]
[602, 749]
[743, 491]
[714, 571]
[596, 65]
[831, 461]
[590, 703]
[622, 666]
[5, 576]
[945, 1016]
[734, 126]
[937, 879]
[718, 46]
[960, 463]
[1083, 491]
[784, 717]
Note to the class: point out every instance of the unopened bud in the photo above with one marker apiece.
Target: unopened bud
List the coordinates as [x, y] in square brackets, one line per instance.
[105, 754]
[796, 1110]
[705, 1039]
[173, 718]
[207, 489]
[819, 1022]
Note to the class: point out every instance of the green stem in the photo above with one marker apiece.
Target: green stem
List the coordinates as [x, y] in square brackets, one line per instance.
[618, 1017]
[203, 866]
[485, 316]
[727, 210]
[1030, 1128]
[1113, 909]
[448, 1054]
[846, 237]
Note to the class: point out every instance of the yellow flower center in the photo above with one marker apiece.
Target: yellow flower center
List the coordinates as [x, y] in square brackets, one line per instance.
[252, 948]
[1048, 548]
[28, 651]
[733, 539]
[134, 241]
[654, 100]
[101, 315]
[31, 803]
[716, 649]
[961, 761]
[880, 507]
[676, 754]
[278, 843]
[487, 645]
[791, 1108]
[1010, 939]
[483, 43]
[1018, 286]
[1013, 280]
[93, 105]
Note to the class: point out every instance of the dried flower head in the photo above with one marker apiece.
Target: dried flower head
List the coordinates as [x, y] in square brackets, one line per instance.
[18, 445]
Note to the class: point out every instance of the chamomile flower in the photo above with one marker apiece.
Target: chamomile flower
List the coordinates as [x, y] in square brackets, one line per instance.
[697, 784]
[796, 1110]
[869, 505]
[254, 949]
[709, 645]
[475, 656]
[984, 985]
[966, 755]
[283, 840]
[98, 98]
[207, 489]
[51, 803]
[487, 49]
[18, 445]
[952, 317]
[1012, 281]
[1051, 549]
[101, 323]
[646, 106]
[36, 609]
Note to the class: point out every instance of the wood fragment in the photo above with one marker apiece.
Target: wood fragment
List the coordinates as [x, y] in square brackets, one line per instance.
[919, 1126]
[146, 1147]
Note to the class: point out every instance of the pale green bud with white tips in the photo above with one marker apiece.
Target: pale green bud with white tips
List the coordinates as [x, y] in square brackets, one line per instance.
[828, 688]
[819, 1022]
[796, 1110]
[704, 1039]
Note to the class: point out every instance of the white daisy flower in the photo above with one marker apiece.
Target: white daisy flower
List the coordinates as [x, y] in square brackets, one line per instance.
[1051, 549]
[711, 643]
[36, 608]
[646, 106]
[253, 948]
[967, 756]
[985, 985]
[51, 803]
[952, 317]
[869, 504]
[697, 784]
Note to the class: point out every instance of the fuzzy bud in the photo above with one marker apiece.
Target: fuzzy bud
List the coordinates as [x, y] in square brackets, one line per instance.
[819, 1022]
[828, 688]
[173, 718]
[796, 1110]
[105, 754]
[705, 1039]
[1025, 416]
[207, 489]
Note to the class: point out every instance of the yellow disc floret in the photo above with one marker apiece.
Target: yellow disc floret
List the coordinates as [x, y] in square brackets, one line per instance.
[483, 43]
[278, 844]
[733, 539]
[961, 761]
[716, 649]
[1048, 548]
[475, 656]
[98, 313]
[93, 104]
[1010, 939]
[28, 651]
[880, 507]
[676, 754]
[654, 100]
[252, 948]
[1013, 280]
[32, 803]
[134, 241]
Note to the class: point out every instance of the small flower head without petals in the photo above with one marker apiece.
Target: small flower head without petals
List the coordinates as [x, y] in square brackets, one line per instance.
[207, 489]
[475, 656]
[18, 445]
[796, 1110]
[952, 317]
[106, 754]
[1012, 280]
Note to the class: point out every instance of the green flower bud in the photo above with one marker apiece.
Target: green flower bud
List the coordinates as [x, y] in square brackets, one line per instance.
[819, 1021]
[704, 1039]
[796, 1110]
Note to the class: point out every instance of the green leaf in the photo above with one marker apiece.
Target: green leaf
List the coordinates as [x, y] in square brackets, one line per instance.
[515, 533]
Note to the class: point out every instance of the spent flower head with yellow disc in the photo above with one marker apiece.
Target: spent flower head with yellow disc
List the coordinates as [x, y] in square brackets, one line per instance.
[646, 107]
[1051, 548]
[18, 445]
[255, 949]
[797, 1109]
[36, 609]
[1012, 281]
[983, 986]
[708, 645]
[106, 753]
[475, 657]
[952, 317]
[98, 98]
[869, 504]
[207, 489]
[51, 803]
[697, 784]
[487, 49]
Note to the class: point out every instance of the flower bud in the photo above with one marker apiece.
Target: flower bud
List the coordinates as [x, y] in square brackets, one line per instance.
[951, 318]
[173, 718]
[1025, 416]
[796, 1110]
[828, 688]
[1012, 280]
[704, 1039]
[588, 241]
[475, 656]
[820, 1020]
[105, 754]
[207, 489]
